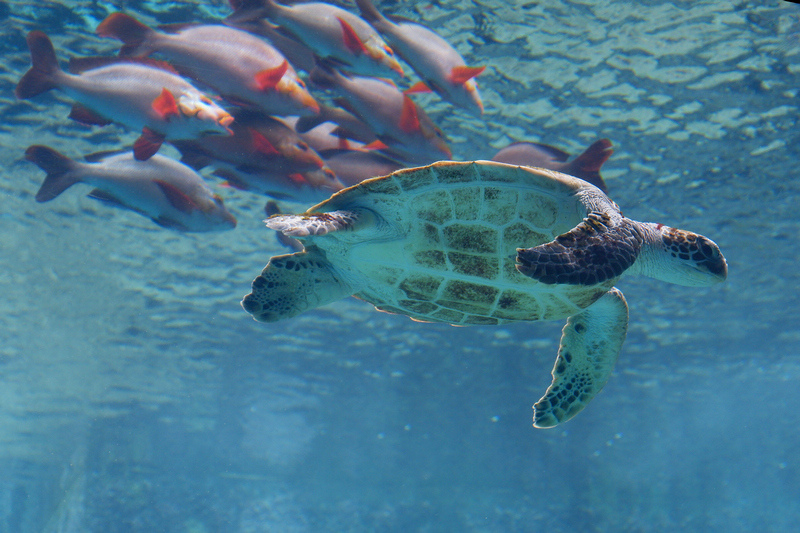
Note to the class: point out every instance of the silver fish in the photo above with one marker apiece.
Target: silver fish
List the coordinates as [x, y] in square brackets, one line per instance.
[440, 66]
[162, 189]
[236, 64]
[331, 32]
[144, 98]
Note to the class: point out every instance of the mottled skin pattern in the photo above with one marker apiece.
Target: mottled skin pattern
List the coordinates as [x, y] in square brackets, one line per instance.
[485, 243]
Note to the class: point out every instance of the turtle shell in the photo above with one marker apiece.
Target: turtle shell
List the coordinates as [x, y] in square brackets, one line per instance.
[443, 247]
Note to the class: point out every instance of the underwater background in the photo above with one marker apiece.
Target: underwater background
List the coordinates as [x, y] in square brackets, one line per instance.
[137, 395]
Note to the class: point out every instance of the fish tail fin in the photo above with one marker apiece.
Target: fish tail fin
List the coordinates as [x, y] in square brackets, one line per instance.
[42, 74]
[587, 165]
[59, 171]
[126, 29]
[368, 10]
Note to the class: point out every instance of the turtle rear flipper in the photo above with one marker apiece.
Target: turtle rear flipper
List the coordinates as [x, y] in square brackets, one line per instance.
[291, 284]
[590, 344]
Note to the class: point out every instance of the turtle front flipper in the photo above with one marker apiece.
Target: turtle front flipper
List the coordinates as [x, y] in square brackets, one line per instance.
[598, 249]
[293, 283]
[317, 224]
[590, 344]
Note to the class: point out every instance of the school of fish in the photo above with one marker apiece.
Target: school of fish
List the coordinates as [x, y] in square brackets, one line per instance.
[294, 102]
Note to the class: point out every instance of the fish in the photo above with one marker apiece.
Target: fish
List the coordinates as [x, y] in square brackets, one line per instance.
[586, 166]
[354, 166]
[439, 65]
[327, 136]
[333, 33]
[403, 129]
[299, 55]
[239, 66]
[349, 126]
[259, 143]
[306, 187]
[160, 104]
[169, 193]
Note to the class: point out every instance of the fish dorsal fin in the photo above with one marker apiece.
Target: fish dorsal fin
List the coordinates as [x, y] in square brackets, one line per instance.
[463, 74]
[419, 87]
[125, 28]
[84, 115]
[78, 65]
[409, 119]
[147, 144]
[398, 19]
[165, 105]
[176, 197]
[261, 144]
[552, 151]
[268, 79]
[351, 39]
[96, 157]
[376, 145]
[177, 27]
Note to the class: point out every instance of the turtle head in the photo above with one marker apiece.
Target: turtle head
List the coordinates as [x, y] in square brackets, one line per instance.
[684, 258]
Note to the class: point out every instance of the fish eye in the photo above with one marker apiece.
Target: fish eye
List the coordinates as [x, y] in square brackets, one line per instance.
[301, 145]
[301, 83]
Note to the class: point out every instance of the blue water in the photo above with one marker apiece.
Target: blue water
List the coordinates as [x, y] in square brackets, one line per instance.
[136, 395]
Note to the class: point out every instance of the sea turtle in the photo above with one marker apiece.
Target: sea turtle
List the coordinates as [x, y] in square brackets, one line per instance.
[485, 243]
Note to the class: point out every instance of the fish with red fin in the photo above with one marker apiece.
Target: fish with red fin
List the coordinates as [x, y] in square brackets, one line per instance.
[442, 69]
[586, 166]
[143, 97]
[236, 64]
[400, 125]
[162, 189]
[333, 33]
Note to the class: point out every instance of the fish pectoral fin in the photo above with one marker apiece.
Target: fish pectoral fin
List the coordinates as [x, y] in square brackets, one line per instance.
[84, 115]
[419, 87]
[176, 197]
[147, 144]
[261, 144]
[376, 145]
[268, 79]
[351, 39]
[107, 198]
[409, 119]
[463, 74]
[170, 223]
[165, 105]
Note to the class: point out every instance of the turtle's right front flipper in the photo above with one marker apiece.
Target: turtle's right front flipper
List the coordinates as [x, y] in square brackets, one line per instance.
[590, 344]
[293, 283]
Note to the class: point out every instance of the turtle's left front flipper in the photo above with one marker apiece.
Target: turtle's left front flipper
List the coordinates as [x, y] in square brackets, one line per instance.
[590, 344]
[598, 249]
